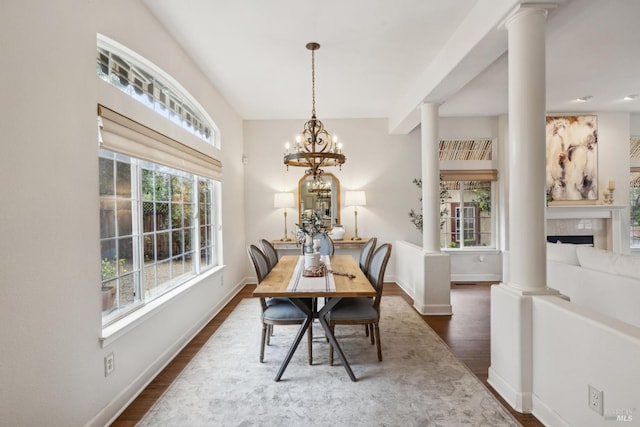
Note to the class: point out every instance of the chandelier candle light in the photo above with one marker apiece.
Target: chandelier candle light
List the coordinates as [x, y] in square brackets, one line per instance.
[284, 200]
[314, 148]
[355, 199]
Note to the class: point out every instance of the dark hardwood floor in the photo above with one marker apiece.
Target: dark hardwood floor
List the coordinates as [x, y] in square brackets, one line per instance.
[466, 333]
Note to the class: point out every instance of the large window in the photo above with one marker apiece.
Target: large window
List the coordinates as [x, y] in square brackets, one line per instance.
[152, 237]
[159, 197]
[467, 179]
[466, 214]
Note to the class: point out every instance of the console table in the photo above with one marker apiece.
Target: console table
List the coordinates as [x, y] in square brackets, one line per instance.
[345, 243]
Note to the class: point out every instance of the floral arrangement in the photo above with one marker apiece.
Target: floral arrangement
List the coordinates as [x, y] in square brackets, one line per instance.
[311, 225]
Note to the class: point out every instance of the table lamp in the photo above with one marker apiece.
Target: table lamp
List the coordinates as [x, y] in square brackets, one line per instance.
[284, 200]
[355, 199]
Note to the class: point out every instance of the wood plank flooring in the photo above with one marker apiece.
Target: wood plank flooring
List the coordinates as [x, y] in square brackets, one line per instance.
[466, 333]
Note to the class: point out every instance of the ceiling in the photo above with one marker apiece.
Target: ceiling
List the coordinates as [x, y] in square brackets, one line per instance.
[382, 59]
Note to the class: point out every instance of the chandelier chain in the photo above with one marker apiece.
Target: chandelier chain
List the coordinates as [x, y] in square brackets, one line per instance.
[313, 83]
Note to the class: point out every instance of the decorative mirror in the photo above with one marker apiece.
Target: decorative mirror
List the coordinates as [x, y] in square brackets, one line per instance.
[321, 194]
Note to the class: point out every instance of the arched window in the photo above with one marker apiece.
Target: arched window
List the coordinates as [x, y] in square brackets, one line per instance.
[149, 85]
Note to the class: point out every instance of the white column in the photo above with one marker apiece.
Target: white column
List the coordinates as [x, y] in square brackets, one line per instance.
[430, 178]
[511, 371]
[433, 295]
[527, 149]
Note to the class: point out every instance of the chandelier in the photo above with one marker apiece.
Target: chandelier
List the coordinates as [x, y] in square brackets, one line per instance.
[314, 147]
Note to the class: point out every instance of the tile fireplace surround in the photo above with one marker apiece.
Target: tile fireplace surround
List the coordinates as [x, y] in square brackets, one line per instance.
[600, 221]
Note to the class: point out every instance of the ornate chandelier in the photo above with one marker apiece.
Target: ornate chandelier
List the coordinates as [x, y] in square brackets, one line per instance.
[314, 148]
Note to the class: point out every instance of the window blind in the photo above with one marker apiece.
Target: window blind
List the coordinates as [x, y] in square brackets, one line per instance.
[469, 175]
[126, 136]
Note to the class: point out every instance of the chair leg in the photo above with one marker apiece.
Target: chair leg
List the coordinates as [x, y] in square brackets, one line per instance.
[332, 327]
[269, 333]
[366, 330]
[310, 342]
[262, 340]
[377, 331]
[370, 328]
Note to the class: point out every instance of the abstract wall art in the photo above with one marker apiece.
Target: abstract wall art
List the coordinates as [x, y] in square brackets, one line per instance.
[572, 158]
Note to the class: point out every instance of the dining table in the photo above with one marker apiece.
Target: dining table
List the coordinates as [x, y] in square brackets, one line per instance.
[342, 279]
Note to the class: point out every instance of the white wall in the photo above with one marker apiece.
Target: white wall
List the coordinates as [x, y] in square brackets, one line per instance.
[635, 124]
[382, 165]
[51, 369]
[574, 347]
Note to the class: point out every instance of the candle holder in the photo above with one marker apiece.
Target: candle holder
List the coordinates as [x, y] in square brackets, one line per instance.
[609, 197]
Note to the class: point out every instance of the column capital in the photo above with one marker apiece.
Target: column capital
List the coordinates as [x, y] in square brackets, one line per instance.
[426, 104]
[525, 10]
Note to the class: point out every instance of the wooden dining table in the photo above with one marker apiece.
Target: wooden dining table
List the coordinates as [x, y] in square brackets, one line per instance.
[279, 278]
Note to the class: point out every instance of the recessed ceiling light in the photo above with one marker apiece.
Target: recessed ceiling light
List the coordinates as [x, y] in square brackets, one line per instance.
[630, 97]
[584, 98]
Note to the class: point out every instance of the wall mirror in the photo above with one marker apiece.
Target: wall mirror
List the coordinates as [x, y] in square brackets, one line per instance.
[321, 194]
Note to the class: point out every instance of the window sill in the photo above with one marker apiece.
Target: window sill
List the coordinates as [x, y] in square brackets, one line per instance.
[121, 327]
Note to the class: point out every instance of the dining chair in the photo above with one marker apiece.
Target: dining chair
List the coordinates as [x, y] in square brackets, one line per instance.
[269, 251]
[365, 254]
[326, 244]
[363, 311]
[277, 312]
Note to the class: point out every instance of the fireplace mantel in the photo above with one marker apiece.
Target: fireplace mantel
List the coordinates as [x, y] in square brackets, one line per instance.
[583, 211]
[610, 213]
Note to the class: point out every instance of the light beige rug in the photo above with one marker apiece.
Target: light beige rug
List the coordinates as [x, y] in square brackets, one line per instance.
[418, 383]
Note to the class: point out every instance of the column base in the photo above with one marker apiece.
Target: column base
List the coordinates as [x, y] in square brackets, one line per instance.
[511, 370]
[434, 296]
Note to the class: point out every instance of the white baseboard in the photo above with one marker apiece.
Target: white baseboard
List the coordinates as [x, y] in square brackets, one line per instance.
[476, 278]
[434, 309]
[519, 401]
[546, 415]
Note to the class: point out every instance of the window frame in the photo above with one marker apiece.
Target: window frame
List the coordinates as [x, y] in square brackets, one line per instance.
[142, 295]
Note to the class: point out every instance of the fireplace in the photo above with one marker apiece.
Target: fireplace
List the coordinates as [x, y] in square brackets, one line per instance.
[598, 225]
[574, 239]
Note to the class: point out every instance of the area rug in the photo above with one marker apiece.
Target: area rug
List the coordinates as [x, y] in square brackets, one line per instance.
[418, 383]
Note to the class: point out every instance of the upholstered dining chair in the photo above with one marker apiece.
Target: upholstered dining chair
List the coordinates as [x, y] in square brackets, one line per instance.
[277, 312]
[365, 254]
[363, 311]
[326, 244]
[269, 251]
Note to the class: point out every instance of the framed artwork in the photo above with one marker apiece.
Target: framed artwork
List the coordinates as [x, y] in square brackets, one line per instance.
[572, 159]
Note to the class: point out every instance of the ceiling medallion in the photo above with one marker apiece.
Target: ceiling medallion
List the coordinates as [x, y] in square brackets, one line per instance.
[314, 147]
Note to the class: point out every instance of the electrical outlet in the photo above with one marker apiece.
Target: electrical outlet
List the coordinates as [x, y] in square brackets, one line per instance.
[595, 399]
[109, 364]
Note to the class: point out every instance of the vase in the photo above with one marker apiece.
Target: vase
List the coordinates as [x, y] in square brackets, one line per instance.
[338, 231]
[311, 261]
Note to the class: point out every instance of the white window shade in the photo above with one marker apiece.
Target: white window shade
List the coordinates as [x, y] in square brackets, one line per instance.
[469, 175]
[125, 136]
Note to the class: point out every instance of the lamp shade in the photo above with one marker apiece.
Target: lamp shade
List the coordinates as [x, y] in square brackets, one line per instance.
[283, 200]
[355, 198]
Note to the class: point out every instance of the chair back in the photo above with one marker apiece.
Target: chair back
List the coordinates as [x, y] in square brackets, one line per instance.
[260, 262]
[326, 244]
[365, 254]
[269, 251]
[378, 265]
